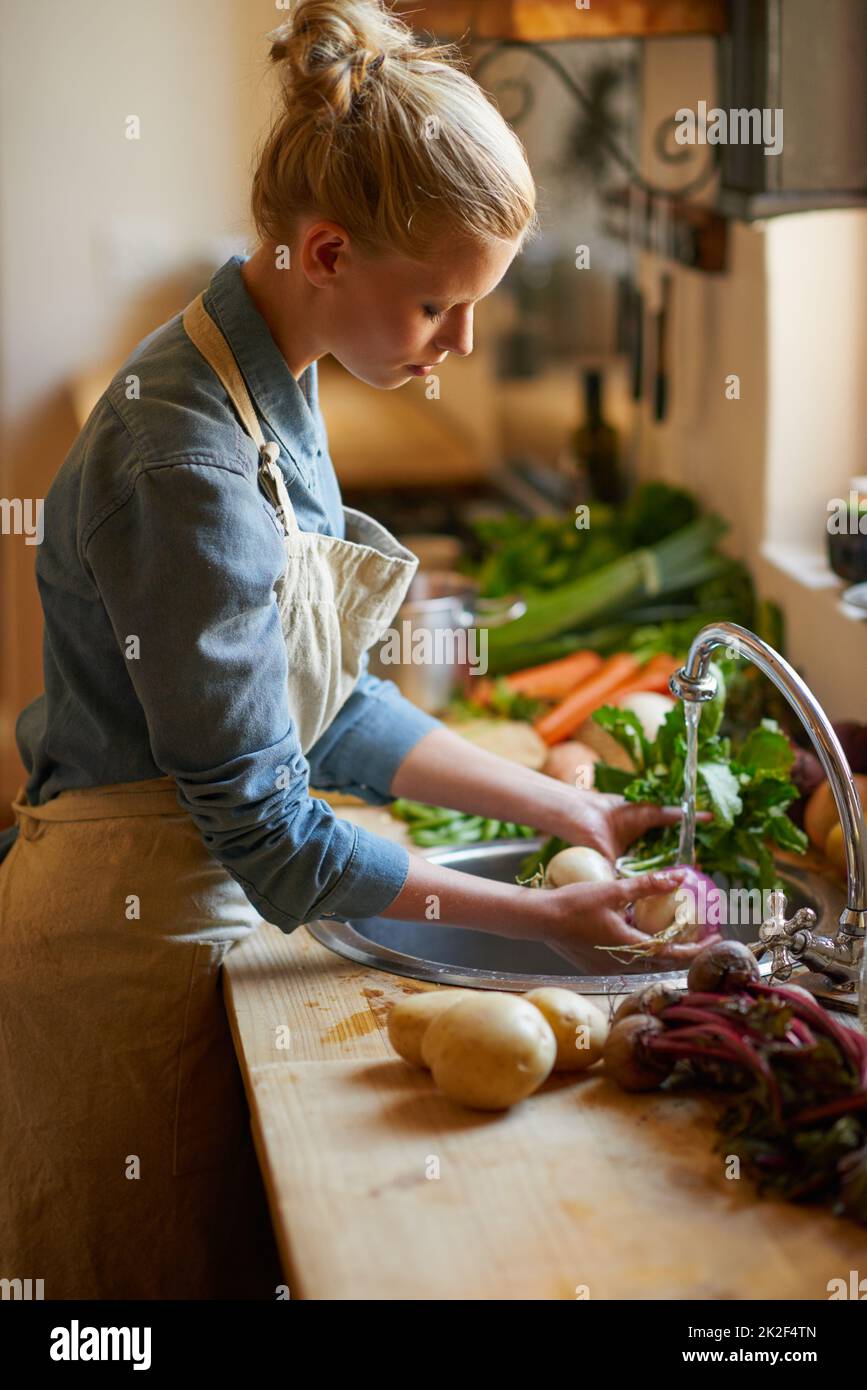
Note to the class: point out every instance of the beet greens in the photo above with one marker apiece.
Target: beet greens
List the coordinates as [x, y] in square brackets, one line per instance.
[748, 790]
[799, 1120]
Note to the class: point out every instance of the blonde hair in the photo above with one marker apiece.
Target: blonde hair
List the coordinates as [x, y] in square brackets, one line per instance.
[385, 134]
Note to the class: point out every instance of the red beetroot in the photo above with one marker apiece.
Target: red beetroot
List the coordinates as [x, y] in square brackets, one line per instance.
[627, 1057]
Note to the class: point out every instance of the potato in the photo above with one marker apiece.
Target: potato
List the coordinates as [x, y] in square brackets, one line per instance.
[820, 814]
[604, 745]
[572, 762]
[579, 1027]
[490, 1051]
[514, 739]
[409, 1019]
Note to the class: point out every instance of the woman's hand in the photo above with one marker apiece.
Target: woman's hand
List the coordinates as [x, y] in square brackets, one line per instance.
[609, 823]
[590, 914]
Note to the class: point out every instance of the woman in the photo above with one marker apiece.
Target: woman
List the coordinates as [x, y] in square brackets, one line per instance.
[208, 608]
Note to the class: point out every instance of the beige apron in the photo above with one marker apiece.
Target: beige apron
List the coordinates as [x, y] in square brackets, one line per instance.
[336, 596]
[127, 1167]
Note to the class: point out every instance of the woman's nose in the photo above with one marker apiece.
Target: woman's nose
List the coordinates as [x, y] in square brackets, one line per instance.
[457, 335]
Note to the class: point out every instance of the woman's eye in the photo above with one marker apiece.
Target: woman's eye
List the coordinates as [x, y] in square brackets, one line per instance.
[432, 313]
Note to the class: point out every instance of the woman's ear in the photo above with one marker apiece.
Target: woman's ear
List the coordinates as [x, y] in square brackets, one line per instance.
[324, 252]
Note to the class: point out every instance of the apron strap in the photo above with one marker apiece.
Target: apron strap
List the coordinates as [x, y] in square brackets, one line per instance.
[203, 331]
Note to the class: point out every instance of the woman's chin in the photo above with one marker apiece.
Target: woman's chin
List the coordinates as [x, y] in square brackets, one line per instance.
[388, 379]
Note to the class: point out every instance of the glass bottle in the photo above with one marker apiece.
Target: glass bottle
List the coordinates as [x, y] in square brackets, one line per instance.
[595, 445]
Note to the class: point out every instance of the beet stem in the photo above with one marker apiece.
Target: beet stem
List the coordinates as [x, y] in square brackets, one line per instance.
[858, 1101]
[853, 1045]
[724, 1030]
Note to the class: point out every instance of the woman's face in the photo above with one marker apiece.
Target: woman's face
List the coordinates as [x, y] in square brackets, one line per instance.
[391, 314]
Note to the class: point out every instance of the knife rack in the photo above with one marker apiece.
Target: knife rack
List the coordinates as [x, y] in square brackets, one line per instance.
[694, 235]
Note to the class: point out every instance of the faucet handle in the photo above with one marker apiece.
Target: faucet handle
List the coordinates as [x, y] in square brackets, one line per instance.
[785, 939]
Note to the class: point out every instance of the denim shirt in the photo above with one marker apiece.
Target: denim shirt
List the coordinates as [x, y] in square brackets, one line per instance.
[163, 650]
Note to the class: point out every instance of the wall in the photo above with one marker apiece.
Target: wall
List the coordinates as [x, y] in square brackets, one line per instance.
[789, 319]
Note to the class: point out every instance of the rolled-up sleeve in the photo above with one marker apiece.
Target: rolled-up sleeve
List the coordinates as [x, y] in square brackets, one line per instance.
[368, 739]
[185, 566]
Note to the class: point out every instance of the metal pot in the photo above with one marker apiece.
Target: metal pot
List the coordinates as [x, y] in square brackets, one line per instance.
[438, 642]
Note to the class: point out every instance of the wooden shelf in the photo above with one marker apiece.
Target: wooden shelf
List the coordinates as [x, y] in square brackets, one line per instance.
[543, 21]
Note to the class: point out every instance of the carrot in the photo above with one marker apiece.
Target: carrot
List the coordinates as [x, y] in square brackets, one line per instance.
[561, 721]
[663, 661]
[655, 682]
[653, 677]
[554, 679]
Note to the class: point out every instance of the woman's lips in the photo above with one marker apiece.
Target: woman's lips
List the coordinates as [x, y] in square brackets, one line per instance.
[418, 371]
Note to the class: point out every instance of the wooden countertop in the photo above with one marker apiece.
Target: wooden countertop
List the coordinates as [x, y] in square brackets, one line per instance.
[381, 1188]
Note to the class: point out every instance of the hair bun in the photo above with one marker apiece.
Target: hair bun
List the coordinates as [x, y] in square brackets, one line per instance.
[383, 132]
[329, 49]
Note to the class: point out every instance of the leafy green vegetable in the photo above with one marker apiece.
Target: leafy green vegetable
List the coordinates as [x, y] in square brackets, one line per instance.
[657, 510]
[504, 704]
[534, 554]
[721, 784]
[681, 560]
[625, 727]
[747, 791]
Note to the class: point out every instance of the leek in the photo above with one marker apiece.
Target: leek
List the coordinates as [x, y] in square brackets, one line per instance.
[681, 560]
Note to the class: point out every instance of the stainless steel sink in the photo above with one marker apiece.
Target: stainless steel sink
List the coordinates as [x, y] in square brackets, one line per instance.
[454, 955]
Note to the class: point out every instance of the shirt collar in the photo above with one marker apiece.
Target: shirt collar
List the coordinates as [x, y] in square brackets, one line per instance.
[287, 406]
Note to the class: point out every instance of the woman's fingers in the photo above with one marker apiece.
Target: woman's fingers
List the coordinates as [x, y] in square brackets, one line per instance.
[626, 890]
[614, 931]
[686, 951]
[635, 820]
[598, 919]
[618, 932]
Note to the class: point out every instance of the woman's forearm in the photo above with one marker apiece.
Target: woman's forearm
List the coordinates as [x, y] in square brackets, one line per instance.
[434, 893]
[444, 769]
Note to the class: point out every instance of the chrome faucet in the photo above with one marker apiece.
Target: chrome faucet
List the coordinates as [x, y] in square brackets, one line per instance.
[840, 957]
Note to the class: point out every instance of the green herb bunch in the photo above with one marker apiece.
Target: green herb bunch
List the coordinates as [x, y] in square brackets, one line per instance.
[747, 790]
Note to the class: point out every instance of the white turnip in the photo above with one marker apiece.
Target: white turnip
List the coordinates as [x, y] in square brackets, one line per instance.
[692, 911]
[578, 864]
[649, 708]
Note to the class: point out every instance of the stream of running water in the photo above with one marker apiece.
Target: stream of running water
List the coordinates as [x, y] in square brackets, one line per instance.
[686, 848]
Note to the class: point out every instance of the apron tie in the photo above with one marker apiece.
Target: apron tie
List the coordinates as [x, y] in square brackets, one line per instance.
[206, 335]
[275, 486]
